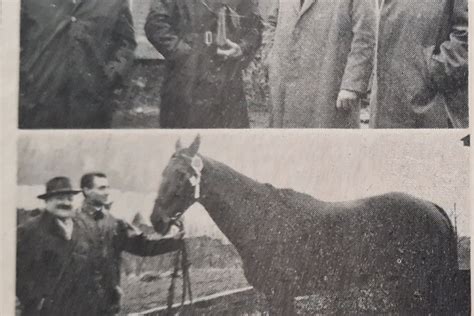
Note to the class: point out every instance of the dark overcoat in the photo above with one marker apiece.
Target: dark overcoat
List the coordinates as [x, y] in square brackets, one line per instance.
[202, 89]
[65, 274]
[74, 53]
[50, 270]
[422, 65]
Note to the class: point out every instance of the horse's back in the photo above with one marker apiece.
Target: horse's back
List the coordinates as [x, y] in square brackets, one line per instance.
[395, 222]
[395, 241]
[393, 206]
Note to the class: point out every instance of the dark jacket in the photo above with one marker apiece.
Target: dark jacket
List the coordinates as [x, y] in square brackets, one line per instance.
[107, 238]
[92, 259]
[75, 48]
[422, 65]
[50, 269]
[201, 89]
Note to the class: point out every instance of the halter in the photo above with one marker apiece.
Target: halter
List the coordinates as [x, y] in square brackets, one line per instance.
[181, 260]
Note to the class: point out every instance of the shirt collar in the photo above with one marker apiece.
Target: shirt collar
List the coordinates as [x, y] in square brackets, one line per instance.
[95, 211]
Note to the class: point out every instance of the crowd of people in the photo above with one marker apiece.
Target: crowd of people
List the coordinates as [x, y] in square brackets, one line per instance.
[409, 58]
[69, 260]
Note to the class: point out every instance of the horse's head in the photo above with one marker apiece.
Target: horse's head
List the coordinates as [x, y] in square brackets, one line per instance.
[179, 187]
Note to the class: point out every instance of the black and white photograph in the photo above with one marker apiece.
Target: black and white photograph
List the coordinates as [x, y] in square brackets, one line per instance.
[243, 64]
[235, 158]
[180, 223]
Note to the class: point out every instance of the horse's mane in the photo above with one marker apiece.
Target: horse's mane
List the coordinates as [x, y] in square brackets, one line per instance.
[271, 202]
[282, 194]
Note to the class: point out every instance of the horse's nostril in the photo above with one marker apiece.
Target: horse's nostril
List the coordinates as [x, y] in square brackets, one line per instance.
[160, 226]
[157, 223]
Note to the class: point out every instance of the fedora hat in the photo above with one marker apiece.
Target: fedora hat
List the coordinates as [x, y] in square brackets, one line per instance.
[58, 185]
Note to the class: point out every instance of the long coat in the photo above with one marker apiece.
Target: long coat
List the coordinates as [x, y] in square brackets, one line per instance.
[201, 89]
[83, 269]
[319, 49]
[51, 269]
[73, 54]
[422, 65]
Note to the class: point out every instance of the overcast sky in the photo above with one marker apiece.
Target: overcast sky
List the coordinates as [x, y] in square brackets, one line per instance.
[330, 165]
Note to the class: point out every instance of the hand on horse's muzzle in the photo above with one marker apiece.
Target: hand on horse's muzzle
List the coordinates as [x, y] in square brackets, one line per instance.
[179, 235]
[161, 226]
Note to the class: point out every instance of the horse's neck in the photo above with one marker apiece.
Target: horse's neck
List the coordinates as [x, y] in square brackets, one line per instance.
[231, 199]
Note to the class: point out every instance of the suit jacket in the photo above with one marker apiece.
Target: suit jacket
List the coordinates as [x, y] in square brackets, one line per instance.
[106, 237]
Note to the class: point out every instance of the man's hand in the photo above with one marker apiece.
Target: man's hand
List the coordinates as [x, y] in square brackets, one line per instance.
[347, 100]
[115, 68]
[176, 232]
[233, 52]
[179, 235]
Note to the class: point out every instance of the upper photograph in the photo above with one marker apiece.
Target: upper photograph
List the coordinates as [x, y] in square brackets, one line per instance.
[243, 64]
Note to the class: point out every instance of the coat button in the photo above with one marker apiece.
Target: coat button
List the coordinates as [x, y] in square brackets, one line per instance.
[73, 19]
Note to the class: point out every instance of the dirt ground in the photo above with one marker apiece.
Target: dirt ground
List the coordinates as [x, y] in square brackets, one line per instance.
[139, 104]
[140, 296]
[148, 117]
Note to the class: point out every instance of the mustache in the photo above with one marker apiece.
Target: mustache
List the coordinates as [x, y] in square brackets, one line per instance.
[64, 207]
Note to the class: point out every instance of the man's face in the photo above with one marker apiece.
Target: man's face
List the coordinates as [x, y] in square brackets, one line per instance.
[98, 194]
[61, 205]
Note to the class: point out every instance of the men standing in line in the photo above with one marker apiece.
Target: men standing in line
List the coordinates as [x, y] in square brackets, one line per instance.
[68, 262]
[320, 62]
[421, 76]
[74, 55]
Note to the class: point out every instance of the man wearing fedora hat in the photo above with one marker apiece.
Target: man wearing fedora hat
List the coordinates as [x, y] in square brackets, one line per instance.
[45, 244]
[67, 257]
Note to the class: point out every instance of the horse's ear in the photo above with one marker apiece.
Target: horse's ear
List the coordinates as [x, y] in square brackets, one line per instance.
[178, 145]
[194, 147]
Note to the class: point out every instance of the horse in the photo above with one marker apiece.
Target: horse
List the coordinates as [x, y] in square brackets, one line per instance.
[396, 247]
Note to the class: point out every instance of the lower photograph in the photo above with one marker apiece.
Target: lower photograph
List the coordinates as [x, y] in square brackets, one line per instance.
[231, 223]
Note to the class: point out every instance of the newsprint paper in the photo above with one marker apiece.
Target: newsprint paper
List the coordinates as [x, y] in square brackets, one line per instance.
[235, 157]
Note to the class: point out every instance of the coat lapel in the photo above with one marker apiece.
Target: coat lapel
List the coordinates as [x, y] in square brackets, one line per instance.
[307, 4]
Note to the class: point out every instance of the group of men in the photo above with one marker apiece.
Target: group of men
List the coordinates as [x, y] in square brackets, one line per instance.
[68, 260]
[410, 58]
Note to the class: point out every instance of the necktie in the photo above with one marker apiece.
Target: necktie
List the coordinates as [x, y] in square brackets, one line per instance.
[98, 214]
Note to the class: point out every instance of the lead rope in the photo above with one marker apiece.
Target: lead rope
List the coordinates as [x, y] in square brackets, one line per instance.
[182, 262]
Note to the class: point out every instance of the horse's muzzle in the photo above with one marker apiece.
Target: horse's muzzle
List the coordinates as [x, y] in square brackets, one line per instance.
[161, 225]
